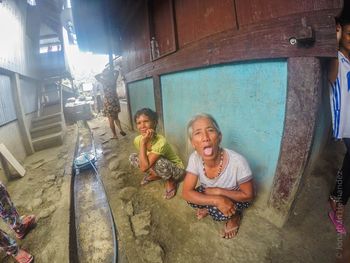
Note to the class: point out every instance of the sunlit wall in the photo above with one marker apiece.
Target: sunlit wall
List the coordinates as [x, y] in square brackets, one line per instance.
[17, 52]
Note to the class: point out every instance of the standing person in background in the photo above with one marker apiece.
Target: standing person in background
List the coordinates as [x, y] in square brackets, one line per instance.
[339, 79]
[98, 96]
[20, 225]
[111, 105]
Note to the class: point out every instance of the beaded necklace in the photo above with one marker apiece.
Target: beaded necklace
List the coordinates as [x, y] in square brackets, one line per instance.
[220, 166]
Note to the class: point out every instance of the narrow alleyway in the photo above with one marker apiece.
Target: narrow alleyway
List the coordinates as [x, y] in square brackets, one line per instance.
[151, 229]
[258, 67]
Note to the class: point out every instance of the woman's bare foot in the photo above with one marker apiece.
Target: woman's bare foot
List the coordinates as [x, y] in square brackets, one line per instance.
[150, 177]
[201, 213]
[231, 227]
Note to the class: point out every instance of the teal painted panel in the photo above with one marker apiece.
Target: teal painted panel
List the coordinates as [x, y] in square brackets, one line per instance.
[141, 95]
[247, 99]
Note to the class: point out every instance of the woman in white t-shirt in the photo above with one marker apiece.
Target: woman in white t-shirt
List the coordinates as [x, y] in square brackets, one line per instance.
[226, 182]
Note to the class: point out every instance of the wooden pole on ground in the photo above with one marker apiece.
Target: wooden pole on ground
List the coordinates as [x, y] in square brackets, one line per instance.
[5, 155]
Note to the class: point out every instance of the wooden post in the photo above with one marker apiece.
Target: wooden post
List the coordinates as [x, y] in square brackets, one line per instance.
[26, 139]
[303, 98]
[158, 101]
[5, 155]
[131, 118]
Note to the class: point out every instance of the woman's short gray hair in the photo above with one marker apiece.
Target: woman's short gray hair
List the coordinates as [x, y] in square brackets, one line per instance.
[200, 116]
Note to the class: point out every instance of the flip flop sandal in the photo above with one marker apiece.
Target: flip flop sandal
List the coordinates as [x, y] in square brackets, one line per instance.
[147, 180]
[28, 223]
[339, 227]
[170, 193]
[122, 133]
[233, 230]
[23, 256]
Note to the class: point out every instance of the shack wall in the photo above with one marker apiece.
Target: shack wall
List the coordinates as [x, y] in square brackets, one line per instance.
[196, 50]
[19, 54]
[141, 95]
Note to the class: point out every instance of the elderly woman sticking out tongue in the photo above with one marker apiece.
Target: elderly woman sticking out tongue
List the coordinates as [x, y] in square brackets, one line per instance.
[225, 179]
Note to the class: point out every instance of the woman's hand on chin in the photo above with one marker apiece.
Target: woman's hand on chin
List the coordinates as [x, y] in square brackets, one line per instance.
[147, 136]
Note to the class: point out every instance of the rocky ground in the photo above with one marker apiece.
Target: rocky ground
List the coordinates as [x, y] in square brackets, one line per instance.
[45, 192]
[152, 229]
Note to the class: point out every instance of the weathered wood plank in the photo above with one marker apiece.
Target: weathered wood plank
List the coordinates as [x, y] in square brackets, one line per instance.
[12, 160]
[303, 98]
[256, 11]
[158, 102]
[263, 41]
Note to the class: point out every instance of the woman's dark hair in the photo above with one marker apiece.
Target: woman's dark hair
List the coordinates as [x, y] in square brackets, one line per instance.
[149, 113]
[343, 21]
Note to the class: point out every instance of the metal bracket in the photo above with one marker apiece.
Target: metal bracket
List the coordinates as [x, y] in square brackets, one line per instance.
[304, 36]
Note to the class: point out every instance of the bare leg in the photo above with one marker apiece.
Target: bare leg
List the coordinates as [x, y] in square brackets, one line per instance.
[152, 175]
[112, 126]
[117, 122]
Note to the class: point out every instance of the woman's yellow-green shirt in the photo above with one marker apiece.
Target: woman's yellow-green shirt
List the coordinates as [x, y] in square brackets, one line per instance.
[160, 146]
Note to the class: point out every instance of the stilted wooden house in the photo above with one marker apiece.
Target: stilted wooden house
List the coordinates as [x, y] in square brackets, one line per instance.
[257, 66]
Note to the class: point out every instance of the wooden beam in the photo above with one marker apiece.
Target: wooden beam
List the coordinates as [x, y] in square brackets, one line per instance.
[131, 118]
[158, 102]
[5, 153]
[303, 98]
[264, 41]
[25, 136]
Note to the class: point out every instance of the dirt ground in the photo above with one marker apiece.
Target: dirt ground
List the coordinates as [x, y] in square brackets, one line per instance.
[45, 192]
[152, 229]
